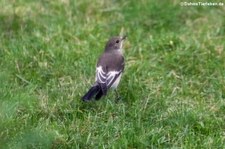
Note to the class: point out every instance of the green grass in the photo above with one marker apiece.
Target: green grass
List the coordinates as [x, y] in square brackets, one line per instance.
[173, 87]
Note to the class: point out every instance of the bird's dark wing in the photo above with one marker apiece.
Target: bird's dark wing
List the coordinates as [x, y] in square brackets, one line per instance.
[106, 79]
[109, 68]
[112, 77]
[115, 71]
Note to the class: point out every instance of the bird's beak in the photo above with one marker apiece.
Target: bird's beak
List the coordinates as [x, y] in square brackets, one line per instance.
[124, 37]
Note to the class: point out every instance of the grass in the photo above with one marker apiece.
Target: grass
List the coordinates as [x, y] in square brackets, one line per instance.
[173, 86]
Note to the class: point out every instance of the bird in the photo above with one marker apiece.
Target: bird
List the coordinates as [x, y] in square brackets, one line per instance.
[109, 69]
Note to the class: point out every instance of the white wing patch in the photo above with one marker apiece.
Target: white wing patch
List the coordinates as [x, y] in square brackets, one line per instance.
[111, 75]
[102, 77]
[116, 82]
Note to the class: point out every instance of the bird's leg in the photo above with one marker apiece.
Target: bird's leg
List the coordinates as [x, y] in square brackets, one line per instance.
[117, 95]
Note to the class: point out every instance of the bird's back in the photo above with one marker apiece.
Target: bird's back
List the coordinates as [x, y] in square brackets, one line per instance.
[111, 64]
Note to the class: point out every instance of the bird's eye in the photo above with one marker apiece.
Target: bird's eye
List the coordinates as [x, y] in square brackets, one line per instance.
[117, 41]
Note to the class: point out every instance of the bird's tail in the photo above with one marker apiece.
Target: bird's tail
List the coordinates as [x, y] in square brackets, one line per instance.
[92, 92]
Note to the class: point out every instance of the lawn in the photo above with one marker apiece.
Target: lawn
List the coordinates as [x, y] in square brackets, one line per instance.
[173, 87]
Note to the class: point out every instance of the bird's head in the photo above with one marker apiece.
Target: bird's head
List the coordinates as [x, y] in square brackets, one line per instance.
[115, 43]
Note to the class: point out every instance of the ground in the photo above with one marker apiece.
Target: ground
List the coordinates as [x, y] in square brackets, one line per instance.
[173, 92]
